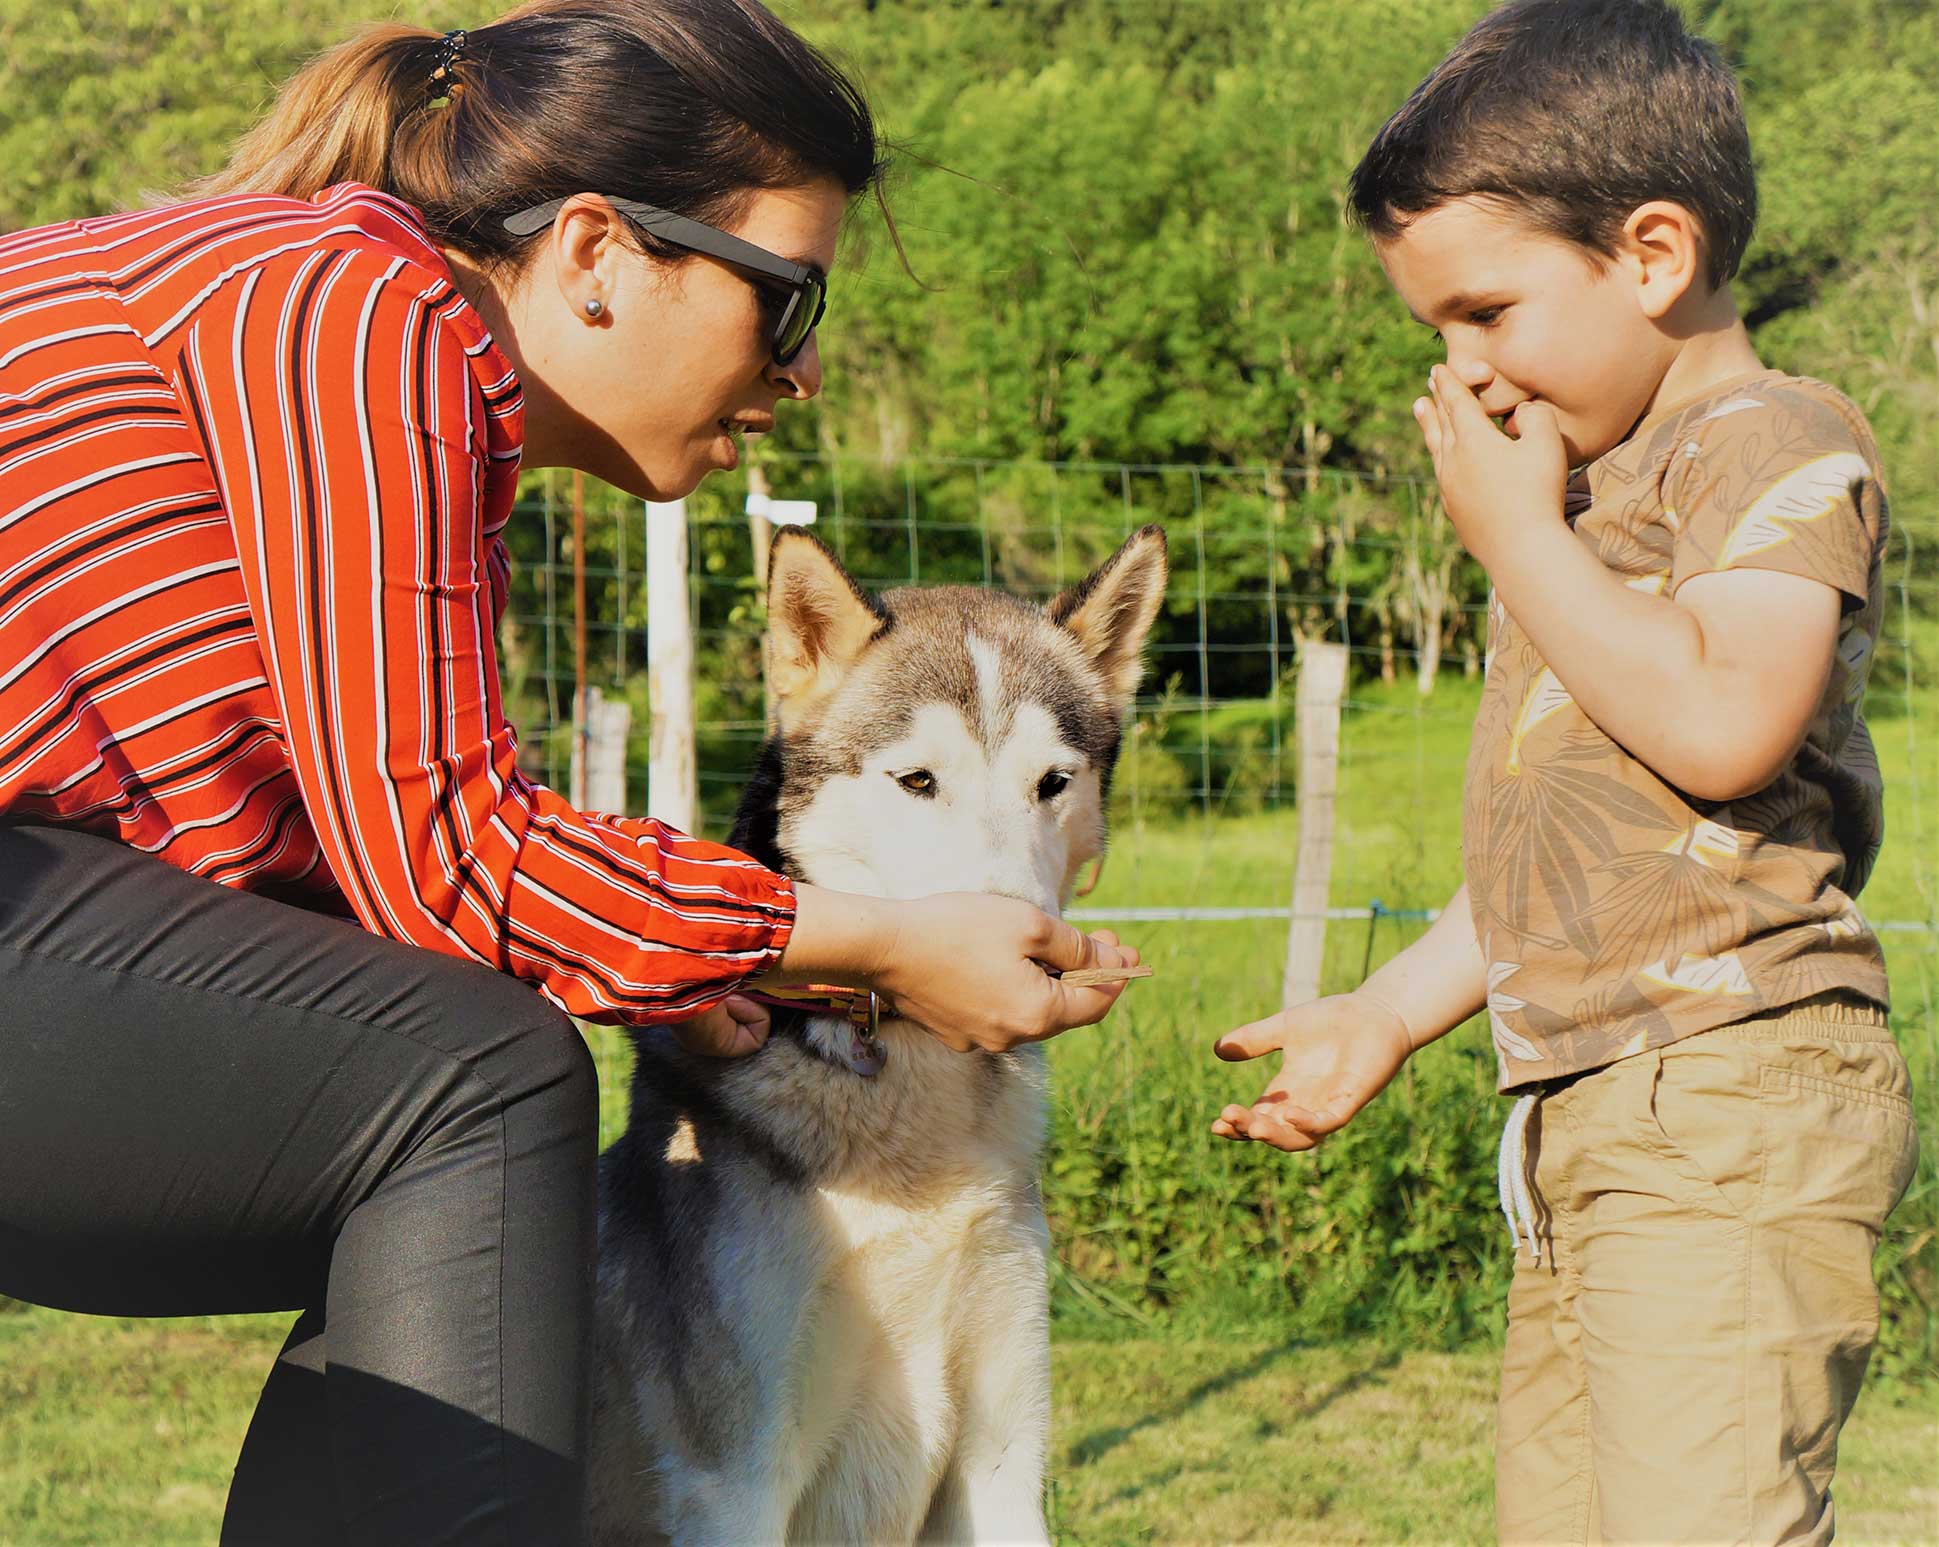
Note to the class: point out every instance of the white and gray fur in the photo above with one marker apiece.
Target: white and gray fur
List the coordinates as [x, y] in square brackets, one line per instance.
[822, 1303]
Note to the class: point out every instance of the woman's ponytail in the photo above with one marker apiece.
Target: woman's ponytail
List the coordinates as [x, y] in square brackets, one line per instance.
[684, 104]
[337, 119]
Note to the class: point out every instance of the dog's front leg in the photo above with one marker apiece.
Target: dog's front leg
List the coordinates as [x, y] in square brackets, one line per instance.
[726, 1510]
[992, 1491]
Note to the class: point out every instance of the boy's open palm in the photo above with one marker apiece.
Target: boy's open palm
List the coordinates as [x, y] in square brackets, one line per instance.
[1340, 1052]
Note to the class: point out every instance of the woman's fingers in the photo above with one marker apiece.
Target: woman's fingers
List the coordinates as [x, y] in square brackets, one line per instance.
[980, 971]
[733, 1028]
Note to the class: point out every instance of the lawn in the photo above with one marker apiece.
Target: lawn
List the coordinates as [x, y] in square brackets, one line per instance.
[1195, 1402]
[121, 1434]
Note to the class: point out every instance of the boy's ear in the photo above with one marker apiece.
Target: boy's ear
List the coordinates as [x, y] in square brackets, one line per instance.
[1663, 251]
[819, 623]
[1111, 610]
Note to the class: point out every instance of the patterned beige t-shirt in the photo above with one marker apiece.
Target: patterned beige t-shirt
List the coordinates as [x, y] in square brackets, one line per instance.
[1615, 912]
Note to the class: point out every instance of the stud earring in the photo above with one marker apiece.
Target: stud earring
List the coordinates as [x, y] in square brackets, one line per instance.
[594, 307]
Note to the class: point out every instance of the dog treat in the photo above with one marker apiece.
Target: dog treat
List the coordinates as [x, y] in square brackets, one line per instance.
[1091, 977]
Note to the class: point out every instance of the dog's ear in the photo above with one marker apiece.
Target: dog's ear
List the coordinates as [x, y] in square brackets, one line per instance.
[819, 622]
[1111, 610]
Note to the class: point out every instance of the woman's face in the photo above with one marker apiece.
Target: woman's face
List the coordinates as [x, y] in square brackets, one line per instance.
[654, 392]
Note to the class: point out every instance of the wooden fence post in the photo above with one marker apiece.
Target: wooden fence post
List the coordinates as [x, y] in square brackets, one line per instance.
[1322, 685]
[599, 752]
[671, 778]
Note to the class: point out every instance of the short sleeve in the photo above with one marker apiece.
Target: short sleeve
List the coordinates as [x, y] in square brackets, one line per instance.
[1777, 478]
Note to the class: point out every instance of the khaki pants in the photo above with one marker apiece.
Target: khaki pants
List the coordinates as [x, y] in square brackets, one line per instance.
[1680, 1360]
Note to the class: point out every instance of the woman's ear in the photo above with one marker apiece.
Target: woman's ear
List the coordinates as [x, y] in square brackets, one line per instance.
[819, 623]
[1663, 252]
[1112, 609]
[585, 237]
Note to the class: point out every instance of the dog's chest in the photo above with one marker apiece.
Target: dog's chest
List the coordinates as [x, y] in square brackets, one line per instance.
[907, 1300]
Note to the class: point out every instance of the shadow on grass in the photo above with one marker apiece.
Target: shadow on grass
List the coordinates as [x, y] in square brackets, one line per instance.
[1101, 1442]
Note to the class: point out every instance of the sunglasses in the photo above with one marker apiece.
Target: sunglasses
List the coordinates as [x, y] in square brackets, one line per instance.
[795, 316]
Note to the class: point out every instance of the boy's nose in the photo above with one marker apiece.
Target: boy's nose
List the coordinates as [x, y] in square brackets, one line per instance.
[1472, 370]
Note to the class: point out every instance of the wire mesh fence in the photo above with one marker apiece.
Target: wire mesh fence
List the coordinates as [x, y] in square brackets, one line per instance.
[1262, 558]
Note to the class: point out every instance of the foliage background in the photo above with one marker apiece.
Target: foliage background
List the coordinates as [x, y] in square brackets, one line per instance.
[1124, 223]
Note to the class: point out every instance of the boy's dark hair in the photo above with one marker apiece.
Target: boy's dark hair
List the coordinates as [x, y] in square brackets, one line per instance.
[1573, 112]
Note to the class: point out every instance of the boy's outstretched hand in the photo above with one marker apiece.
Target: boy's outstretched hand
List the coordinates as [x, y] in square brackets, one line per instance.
[1340, 1052]
[1493, 486]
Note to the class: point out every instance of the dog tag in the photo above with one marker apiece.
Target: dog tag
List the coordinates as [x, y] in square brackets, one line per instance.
[1092, 977]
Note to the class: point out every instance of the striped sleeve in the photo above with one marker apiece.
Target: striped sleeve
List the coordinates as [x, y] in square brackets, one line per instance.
[346, 433]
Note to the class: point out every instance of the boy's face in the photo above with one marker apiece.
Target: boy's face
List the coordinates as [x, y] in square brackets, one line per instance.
[1525, 316]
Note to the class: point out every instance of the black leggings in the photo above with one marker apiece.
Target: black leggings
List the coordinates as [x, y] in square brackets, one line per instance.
[211, 1102]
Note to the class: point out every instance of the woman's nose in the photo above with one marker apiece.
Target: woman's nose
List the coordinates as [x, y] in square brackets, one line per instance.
[801, 376]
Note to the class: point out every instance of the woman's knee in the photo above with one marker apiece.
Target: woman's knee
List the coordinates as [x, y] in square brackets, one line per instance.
[544, 1065]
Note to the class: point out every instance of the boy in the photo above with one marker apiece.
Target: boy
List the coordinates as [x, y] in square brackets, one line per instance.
[1671, 799]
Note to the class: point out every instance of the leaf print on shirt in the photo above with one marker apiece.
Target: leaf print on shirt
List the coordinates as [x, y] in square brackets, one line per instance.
[1735, 406]
[1618, 1019]
[1847, 924]
[1854, 656]
[1544, 699]
[1509, 1043]
[1683, 893]
[1804, 495]
[1702, 975]
[1553, 824]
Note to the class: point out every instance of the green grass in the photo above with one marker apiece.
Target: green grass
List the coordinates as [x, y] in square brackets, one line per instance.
[1194, 1277]
[1220, 1441]
[122, 1434]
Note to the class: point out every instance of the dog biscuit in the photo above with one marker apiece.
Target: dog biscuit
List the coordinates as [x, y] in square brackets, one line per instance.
[1091, 977]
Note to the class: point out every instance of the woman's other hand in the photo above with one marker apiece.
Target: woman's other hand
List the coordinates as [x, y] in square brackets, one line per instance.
[733, 1028]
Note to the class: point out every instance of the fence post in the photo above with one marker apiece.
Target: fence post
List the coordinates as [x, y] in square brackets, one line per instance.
[599, 751]
[577, 788]
[670, 784]
[1322, 685]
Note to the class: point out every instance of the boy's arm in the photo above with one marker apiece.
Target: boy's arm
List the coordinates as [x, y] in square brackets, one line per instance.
[1437, 982]
[1713, 691]
[1341, 1051]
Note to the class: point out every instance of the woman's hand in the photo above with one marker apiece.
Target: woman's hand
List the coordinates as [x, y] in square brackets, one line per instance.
[733, 1028]
[969, 966]
[1340, 1052]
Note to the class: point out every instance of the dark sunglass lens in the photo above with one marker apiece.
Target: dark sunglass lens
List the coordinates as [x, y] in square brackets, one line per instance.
[792, 335]
[788, 332]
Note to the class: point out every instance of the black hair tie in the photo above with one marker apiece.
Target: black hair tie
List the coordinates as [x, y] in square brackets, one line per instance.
[450, 47]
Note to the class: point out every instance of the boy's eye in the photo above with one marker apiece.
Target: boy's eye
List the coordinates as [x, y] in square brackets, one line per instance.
[1486, 316]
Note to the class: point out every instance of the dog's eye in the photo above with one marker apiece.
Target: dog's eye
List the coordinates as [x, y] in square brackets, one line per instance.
[921, 782]
[1052, 784]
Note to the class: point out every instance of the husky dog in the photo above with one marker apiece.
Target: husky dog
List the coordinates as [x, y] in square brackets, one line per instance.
[822, 1303]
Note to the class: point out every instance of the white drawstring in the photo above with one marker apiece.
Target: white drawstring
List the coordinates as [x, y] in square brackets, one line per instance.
[1511, 1173]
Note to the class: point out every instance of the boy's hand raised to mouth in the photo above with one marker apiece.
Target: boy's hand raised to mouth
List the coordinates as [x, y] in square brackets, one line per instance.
[1494, 486]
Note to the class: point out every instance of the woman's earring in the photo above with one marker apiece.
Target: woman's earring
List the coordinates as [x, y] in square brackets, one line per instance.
[595, 306]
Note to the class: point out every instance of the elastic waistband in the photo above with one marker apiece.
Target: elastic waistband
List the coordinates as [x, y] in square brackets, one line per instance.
[1833, 1018]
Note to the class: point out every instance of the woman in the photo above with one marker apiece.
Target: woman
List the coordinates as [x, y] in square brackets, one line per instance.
[255, 454]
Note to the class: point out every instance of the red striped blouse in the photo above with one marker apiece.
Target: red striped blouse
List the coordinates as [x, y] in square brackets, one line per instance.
[255, 457]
